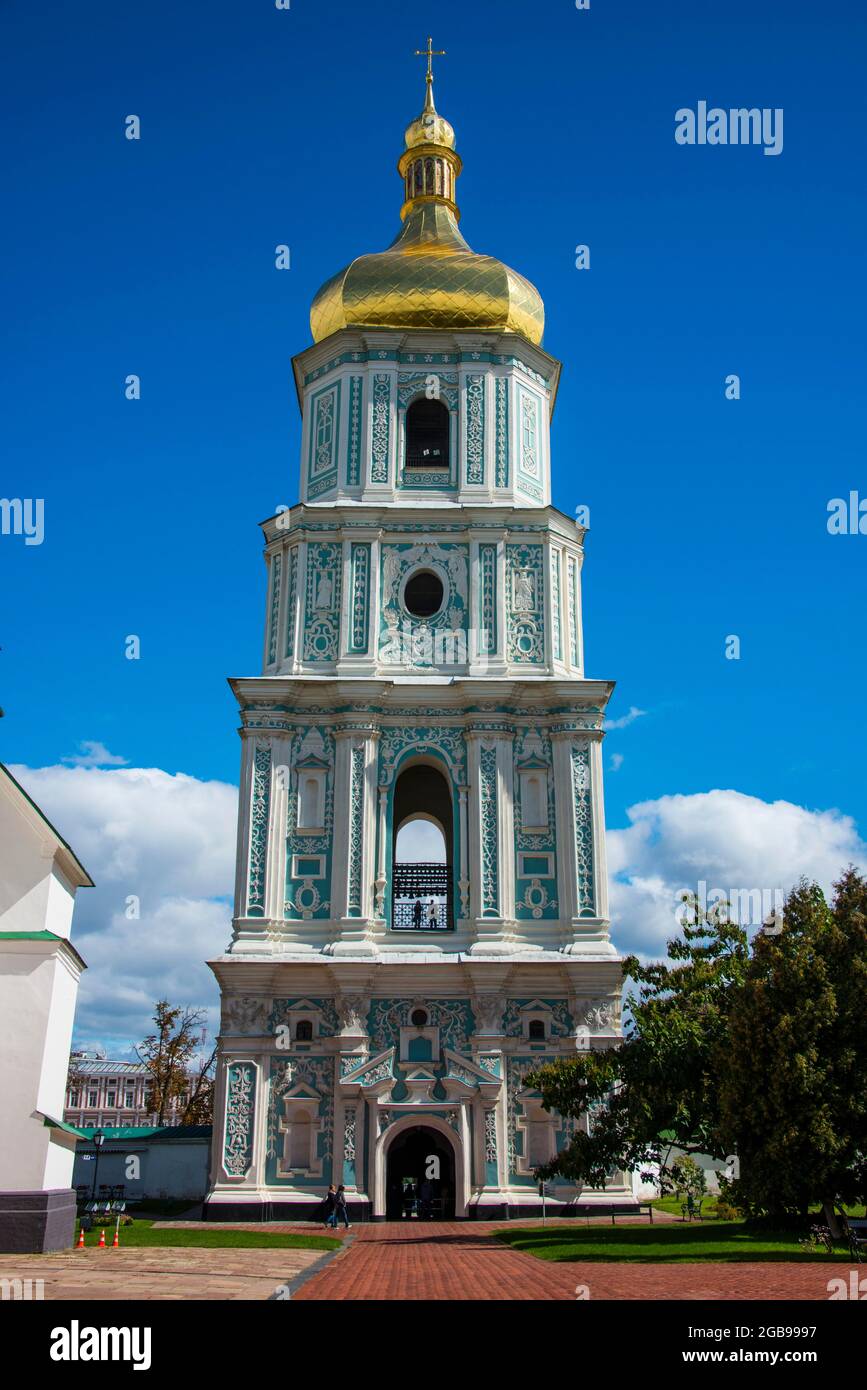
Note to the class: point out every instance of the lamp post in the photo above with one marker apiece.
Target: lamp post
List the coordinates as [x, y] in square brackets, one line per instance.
[98, 1141]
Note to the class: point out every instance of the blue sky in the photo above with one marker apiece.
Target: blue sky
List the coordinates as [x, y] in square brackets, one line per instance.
[261, 126]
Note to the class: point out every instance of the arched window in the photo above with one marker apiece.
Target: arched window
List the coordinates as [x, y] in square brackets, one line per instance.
[427, 434]
[304, 1030]
[536, 1030]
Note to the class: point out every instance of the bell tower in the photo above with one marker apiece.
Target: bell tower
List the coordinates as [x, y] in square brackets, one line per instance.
[421, 907]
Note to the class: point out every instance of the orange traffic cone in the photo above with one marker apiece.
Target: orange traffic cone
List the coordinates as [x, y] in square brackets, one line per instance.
[102, 1240]
[80, 1245]
[115, 1243]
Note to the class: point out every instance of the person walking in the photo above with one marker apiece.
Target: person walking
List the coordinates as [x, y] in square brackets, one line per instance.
[329, 1207]
[340, 1207]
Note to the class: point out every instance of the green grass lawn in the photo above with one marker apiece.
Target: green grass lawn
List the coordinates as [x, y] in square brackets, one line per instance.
[142, 1233]
[722, 1241]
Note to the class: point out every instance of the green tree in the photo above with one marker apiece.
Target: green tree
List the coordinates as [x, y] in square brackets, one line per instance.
[180, 1068]
[659, 1087]
[793, 1069]
[684, 1177]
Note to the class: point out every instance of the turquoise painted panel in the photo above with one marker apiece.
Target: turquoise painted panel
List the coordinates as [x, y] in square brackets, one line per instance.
[583, 803]
[291, 601]
[487, 600]
[525, 604]
[322, 604]
[381, 433]
[453, 1017]
[324, 442]
[350, 1145]
[442, 640]
[475, 430]
[240, 1115]
[536, 887]
[529, 474]
[356, 829]
[501, 425]
[557, 606]
[359, 615]
[276, 577]
[314, 1077]
[306, 893]
[490, 843]
[260, 810]
[353, 458]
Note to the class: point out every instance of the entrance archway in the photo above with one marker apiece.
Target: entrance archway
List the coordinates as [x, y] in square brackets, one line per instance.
[420, 1177]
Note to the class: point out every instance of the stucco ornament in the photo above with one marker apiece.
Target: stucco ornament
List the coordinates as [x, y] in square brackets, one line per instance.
[488, 1012]
[244, 1014]
[352, 1013]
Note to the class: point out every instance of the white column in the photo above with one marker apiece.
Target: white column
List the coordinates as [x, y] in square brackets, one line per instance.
[464, 867]
[242, 843]
[506, 824]
[355, 809]
[474, 603]
[275, 876]
[492, 930]
[340, 842]
[381, 880]
[583, 931]
[475, 826]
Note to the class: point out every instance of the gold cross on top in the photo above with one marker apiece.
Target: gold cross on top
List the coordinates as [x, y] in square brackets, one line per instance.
[430, 53]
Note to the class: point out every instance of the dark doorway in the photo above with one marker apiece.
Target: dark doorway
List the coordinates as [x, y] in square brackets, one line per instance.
[420, 1177]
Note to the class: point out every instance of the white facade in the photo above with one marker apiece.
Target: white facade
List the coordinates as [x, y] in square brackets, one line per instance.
[39, 974]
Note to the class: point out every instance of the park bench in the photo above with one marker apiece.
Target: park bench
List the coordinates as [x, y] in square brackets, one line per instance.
[856, 1234]
[613, 1209]
[690, 1210]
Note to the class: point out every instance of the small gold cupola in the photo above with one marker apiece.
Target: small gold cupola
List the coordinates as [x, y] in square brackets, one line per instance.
[430, 165]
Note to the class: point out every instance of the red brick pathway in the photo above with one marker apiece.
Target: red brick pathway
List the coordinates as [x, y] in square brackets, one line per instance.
[462, 1260]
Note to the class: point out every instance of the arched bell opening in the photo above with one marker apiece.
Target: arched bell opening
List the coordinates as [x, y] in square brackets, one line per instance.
[427, 434]
[422, 853]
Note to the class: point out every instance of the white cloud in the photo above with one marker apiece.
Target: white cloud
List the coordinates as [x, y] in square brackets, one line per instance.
[94, 754]
[616, 762]
[731, 842]
[420, 842]
[168, 841]
[625, 719]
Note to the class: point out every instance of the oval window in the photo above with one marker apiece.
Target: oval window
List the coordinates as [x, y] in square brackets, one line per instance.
[423, 595]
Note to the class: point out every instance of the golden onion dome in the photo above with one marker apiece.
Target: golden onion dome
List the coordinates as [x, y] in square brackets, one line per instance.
[429, 277]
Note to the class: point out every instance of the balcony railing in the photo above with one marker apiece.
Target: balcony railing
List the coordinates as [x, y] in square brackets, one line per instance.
[422, 897]
[420, 456]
